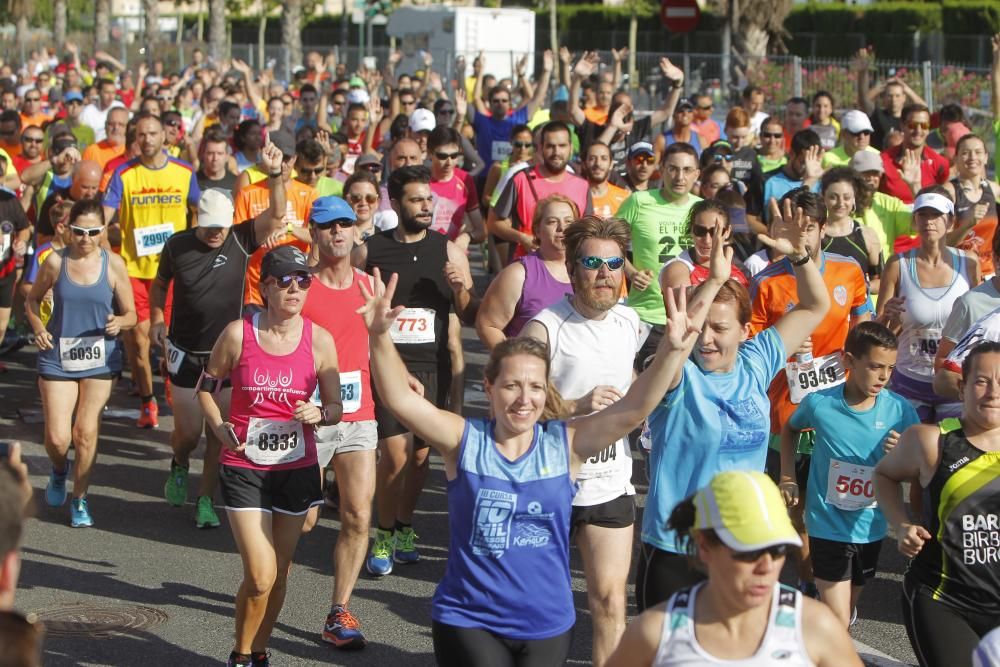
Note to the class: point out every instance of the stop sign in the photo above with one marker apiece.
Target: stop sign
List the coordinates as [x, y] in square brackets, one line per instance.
[679, 15]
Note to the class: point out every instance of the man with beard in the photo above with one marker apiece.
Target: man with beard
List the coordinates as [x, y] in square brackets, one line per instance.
[207, 266]
[332, 303]
[420, 332]
[591, 324]
[510, 219]
[151, 195]
[913, 165]
[639, 168]
[605, 197]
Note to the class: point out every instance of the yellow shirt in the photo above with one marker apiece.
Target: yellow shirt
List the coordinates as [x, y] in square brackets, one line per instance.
[152, 205]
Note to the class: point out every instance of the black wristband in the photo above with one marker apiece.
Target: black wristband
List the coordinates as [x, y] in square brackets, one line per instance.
[277, 175]
[800, 262]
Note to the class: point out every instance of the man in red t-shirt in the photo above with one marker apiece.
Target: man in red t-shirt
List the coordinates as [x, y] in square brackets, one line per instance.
[912, 165]
[332, 302]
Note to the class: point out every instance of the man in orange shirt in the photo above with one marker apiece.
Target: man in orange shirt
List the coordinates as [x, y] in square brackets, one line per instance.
[605, 197]
[818, 363]
[309, 162]
[114, 145]
[31, 109]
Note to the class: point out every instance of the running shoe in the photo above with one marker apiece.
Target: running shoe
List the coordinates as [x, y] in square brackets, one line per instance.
[205, 516]
[808, 588]
[406, 550]
[343, 630]
[262, 659]
[55, 492]
[239, 662]
[80, 514]
[176, 488]
[379, 562]
[149, 415]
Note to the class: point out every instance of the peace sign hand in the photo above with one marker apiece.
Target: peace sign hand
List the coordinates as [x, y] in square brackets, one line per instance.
[378, 312]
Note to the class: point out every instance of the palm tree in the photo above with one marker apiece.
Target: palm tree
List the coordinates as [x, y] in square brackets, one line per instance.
[20, 12]
[151, 21]
[755, 23]
[217, 29]
[102, 23]
[59, 23]
[291, 33]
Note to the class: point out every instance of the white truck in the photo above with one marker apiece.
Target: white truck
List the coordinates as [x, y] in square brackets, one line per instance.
[503, 35]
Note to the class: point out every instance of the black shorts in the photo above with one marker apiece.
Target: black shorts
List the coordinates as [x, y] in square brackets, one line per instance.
[436, 388]
[840, 561]
[190, 370]
[287, 491]
[54, 378]
[616, 513]
[802, 463]
[7, 289]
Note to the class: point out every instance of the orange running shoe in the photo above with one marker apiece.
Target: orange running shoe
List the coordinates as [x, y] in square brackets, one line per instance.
[149, 415]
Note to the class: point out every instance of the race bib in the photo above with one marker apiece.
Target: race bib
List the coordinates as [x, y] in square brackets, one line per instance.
[604, 464]
[414, 325]
[271, 442]
[925, 343]
[849, 486]
[350, 392]
[150, 240]
[823, 372]
[175, 356]
[81, 354]
[500, 150]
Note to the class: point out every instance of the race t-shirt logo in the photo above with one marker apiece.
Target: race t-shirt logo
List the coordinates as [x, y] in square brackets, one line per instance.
[840, 295]
[491, 519]
[156, 197]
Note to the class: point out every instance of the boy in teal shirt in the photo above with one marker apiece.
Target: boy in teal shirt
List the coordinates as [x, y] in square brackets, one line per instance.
[855, 423]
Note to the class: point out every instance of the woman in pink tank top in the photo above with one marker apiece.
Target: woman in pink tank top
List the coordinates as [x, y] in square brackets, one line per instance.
[274, 360]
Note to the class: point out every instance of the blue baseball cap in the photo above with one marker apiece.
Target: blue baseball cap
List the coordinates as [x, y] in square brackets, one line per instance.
[330, 208]
[72, 96]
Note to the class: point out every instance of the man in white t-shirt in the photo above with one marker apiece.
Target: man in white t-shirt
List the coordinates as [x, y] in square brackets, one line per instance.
[96, 115]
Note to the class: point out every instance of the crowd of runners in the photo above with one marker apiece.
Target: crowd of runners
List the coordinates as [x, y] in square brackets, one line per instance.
[785, 312]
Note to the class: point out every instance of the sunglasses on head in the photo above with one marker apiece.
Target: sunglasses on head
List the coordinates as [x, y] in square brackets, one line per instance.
[357, 199]
[776, 552]
[86, 231]
[594, 263]
[912, 125]
[311, 172]
[771, 135]
[302, 280]
[448, 156]
[339, 222]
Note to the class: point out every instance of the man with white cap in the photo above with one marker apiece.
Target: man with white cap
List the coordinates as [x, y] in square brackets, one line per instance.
[855, 135]
[207, 265]
[421, 123]
[888, 216]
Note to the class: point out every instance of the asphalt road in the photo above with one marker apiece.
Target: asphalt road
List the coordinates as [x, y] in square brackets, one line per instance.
[145, 587]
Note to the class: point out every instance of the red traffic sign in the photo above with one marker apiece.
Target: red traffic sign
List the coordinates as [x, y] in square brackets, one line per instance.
[679, 15]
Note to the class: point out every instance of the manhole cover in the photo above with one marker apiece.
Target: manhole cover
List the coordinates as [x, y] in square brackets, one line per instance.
[85, 620]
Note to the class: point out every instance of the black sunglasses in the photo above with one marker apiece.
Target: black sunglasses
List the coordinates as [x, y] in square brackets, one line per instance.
[521, 144]
[300, 279]
[315, 172]
[340, 222]
[447, 156]
[775, 552]
[771, 135]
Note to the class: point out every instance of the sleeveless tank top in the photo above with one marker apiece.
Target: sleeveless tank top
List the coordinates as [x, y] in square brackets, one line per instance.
[699, 273]
[979, 239]
[585, 353]
[79, 314]
[508, 555]
[782, 644]
[961, 561]
[335, 311]
[421, 332]
[540, 290]
[853, 245]
[927, 309]
[265, 389]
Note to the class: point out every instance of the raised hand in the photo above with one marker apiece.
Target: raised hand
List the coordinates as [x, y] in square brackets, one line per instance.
[548, 60]
[720, 263]
[813, 163]
[395, 58]
[911, 168]
[671, 71]
[461, 102]
[565, 56]
[862, 60]
[270, 158]
[680, 332]
[460, 67]
[427, 58]
[479, 64]
[586, 65]
[788, 228]
[374, 110]
[522, 65]
[620, 54]
[378, 312]
[618, 117]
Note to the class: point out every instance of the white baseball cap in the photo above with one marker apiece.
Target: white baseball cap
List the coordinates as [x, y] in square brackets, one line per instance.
[422, 120]
[855, 121]
[215, 209]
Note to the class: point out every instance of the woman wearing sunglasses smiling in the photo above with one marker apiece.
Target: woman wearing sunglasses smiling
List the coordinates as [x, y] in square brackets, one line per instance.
[78, 351]
[737, 530]
[269, 471]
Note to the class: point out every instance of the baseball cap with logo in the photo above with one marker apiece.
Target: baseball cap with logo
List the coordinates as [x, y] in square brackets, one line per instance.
[283, 261]
[855, 121]
[215, 209]
[422, 120]
[745, 510]
[685, 103]
[641, 148]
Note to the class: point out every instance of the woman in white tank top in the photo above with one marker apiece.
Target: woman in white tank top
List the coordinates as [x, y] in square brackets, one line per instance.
[742, 617]
[918, 290]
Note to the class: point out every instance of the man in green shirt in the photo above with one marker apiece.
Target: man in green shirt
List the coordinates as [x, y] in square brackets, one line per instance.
[658, 220]
[889, 217]
[855, 135]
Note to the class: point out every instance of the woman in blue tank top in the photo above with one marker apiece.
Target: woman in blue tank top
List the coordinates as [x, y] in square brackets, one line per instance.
[78, 350]
[505, 597]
